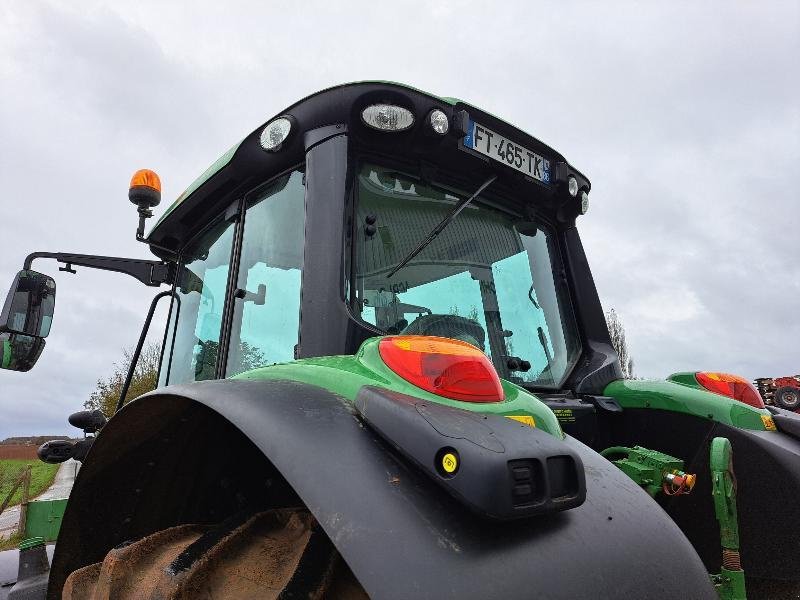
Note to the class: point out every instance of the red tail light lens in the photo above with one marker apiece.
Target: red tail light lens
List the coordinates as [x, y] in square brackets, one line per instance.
[732, 386]
[449, 368]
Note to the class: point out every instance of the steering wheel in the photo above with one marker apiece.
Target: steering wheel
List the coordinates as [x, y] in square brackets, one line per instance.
[448, 326]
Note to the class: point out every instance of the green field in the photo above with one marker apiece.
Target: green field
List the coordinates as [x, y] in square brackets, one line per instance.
[42, 476]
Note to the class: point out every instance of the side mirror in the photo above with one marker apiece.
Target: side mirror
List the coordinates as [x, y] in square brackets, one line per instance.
[19, 352]
[29, 306]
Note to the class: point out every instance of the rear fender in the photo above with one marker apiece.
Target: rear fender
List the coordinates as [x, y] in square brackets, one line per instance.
[180, 454]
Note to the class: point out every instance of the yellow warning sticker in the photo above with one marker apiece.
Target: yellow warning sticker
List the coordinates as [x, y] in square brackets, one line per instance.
[526, 419]
[449, 462]
[769, 424]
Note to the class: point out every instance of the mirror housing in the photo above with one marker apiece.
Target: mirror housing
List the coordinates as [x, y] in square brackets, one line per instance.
[29, 306]
[19, 352]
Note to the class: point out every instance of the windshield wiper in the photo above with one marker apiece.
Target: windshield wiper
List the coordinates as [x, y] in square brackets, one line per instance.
[440, 227]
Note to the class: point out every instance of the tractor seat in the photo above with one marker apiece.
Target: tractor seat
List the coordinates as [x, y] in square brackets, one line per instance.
[448, 326]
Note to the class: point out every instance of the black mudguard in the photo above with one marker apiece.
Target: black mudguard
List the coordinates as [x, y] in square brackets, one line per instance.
[401, 535]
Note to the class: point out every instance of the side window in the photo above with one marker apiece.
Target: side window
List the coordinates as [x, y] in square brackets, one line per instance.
[196, 317]
[266, 315]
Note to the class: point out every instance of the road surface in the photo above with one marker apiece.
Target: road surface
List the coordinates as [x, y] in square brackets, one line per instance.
[61, 487]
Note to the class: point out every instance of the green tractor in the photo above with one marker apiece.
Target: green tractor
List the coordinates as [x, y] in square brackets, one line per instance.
[386, 373]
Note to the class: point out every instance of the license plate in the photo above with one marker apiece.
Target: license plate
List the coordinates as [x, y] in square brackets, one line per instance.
[495, 146]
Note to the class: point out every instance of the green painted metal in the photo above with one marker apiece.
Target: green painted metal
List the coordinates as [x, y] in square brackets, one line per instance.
[31, 542]
[646, 467]
[217, 166]
[346, 375]
[724, 492]
[690, 400]
[686, 378]
[44, 518]
[731, 581]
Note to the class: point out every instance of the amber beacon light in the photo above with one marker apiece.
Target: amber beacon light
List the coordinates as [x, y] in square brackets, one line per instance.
[147, 181]
[145, 193]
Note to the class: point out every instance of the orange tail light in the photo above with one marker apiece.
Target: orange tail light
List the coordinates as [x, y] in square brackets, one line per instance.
[442, 366]
[732, 386]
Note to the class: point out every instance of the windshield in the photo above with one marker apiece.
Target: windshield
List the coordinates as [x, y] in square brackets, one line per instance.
[485, 279]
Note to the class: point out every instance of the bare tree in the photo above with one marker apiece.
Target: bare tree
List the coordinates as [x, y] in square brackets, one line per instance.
[617, 332]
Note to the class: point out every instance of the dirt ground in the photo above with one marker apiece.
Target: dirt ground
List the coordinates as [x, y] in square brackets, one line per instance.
[17, 452]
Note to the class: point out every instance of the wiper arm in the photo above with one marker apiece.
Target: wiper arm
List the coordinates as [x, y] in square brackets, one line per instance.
[532, 299]
[440, 227]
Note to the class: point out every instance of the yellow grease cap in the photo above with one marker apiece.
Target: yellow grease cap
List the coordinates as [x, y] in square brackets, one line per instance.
[449, 462]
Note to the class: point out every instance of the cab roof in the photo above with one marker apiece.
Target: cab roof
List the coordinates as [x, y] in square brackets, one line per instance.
[330, 105]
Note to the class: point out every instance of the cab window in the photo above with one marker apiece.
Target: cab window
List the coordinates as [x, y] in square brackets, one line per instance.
[266, 310]
[196, 316]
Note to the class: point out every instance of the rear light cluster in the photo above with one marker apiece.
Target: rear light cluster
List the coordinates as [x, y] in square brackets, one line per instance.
[732, 386]
[443, 366]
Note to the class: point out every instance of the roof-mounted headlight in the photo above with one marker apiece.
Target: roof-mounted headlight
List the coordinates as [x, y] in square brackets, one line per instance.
[275, 133]
[438, 121]
[572, 186]
[387, 117]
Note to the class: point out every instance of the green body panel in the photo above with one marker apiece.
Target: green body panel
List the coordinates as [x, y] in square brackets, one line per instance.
[687, 399]
[687, 379]
[44, 518]
[218, 165]
[346, 375]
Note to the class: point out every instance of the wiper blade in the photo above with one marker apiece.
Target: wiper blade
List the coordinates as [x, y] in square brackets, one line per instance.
[440, 227]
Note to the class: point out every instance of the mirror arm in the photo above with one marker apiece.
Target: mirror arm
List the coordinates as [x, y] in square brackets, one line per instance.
[140, 238]
[149, 272]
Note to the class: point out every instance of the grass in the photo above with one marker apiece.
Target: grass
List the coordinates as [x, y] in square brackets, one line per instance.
[11, 543]
[42, 476]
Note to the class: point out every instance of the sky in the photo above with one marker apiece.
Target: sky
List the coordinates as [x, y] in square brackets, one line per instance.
[684, 115]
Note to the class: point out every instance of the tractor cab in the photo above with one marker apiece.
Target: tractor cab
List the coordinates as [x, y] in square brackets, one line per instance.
[384, 212]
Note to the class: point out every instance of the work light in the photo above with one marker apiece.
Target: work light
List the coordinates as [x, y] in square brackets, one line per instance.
[572, 186]
[438, 121]
[387, 117]
[584, 202]
[275, 133]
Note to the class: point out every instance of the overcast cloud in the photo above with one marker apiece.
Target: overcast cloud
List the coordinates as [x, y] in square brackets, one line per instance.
[684, 116]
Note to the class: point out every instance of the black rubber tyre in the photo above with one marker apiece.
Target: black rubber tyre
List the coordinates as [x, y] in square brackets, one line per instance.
[273, 555]
[787, 397]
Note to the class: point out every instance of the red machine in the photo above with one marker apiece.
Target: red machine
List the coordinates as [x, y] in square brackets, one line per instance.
[783, 392]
